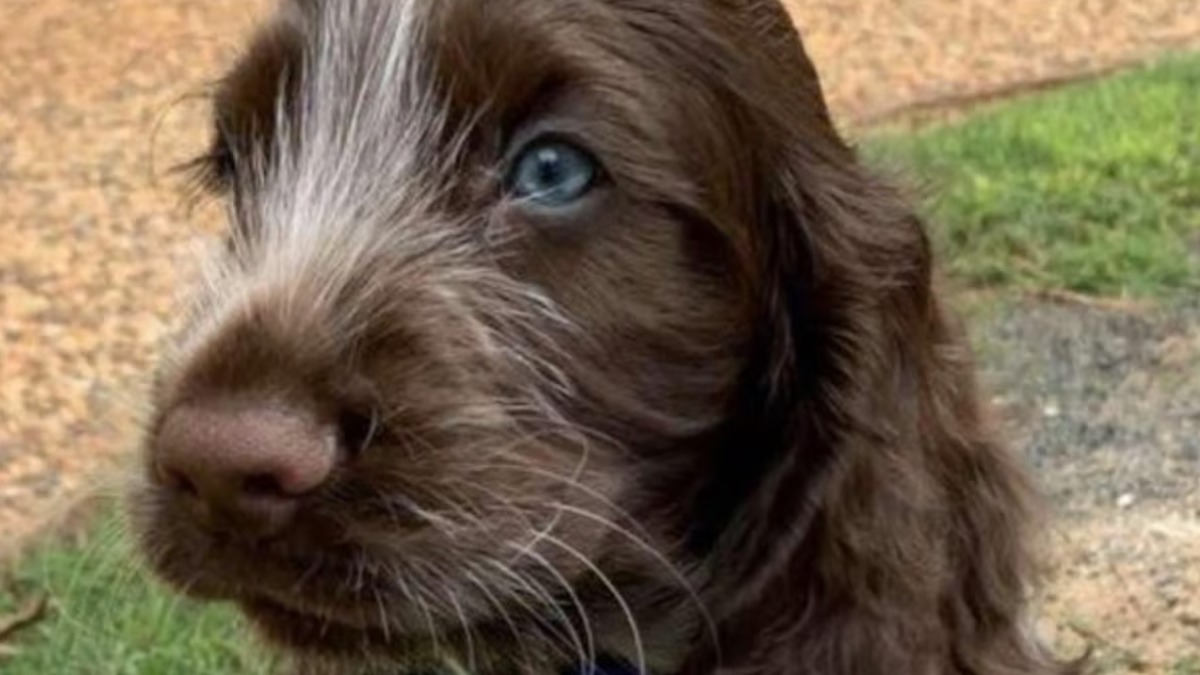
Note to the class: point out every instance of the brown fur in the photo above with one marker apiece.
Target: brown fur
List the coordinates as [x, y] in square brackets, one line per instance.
[725, 382]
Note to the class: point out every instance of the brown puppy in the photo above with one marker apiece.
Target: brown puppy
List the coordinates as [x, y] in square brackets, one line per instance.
[555, 334]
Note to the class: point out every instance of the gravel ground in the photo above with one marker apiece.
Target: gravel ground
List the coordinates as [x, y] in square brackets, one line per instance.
[1106, 405]
[92, 113]
[96, 105]
[879, 57]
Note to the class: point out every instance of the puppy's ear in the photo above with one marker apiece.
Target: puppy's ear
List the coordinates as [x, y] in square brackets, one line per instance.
[860, 492]
[774, 30]
[836, 256]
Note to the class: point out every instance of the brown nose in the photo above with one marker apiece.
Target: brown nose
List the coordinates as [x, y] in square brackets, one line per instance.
[244, 468]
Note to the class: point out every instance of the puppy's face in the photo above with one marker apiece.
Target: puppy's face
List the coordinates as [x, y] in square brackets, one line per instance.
[486, 289]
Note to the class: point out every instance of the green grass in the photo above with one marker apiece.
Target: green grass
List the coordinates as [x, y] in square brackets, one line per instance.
[105, 618]
[1094, 188]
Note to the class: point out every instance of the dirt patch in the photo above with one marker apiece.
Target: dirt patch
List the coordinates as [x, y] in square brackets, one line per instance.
[1106, 406]
[882, 58]
[94, 112]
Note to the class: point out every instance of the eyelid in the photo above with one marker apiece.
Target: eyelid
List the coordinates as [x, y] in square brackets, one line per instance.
[222, 160]
[218, 161]
[213, 171]
[541, 134]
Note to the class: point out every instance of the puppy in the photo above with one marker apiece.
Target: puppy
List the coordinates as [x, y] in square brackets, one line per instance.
[567, 336]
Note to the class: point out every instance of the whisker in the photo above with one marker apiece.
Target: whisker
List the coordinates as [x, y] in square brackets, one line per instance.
[639, 539]
[671, 568]
[541, 594]
[504, 615]
[384, 622]
[468, 634]
[587, 654]
[635, 631]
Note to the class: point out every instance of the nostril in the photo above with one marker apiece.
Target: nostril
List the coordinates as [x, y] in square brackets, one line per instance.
[179, 482]
[263, 485]
[356, 430]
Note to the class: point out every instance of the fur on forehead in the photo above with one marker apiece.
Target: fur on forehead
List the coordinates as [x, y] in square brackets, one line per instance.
[442, 80]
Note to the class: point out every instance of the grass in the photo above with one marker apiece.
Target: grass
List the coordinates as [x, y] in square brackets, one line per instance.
[105, 618]
[1094, 188]
[1187, 666]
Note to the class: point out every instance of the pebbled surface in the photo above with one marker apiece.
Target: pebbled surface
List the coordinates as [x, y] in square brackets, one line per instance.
[1106, 406]
[878, 57]
[91, 229]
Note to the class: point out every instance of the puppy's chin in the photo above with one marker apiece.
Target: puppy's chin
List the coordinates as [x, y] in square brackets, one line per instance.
[342, 588]
[325, 603]
[317, 634]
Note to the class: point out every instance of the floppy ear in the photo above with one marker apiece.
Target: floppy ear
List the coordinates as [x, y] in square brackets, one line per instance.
[859, 499]
[834, 254]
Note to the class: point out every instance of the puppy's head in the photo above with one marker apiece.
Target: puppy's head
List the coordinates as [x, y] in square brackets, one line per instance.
[523, 302]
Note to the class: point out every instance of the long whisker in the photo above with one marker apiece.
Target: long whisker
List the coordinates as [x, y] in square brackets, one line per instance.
[635, 631]
[570, 481]
[587, 651]
[384, 622]
[638, 538]
[521, 514]
[534, 588]
[468, 634]
[504, 615]
[706, 616]
[434, 632]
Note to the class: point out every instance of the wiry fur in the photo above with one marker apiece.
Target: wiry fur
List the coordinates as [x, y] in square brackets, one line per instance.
[712, 420]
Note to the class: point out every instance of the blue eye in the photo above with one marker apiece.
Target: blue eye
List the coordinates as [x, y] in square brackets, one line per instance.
[553, 174]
